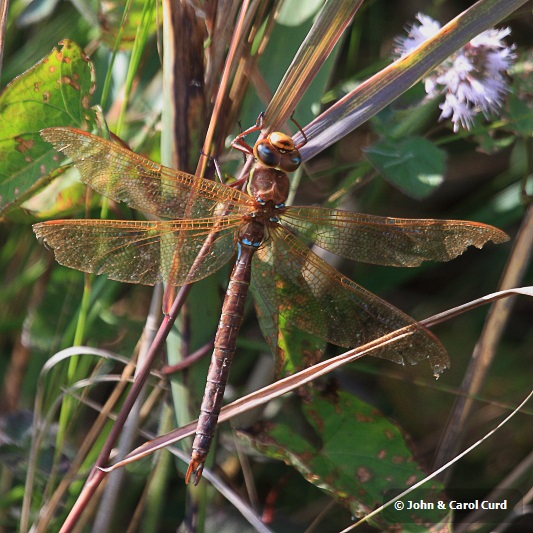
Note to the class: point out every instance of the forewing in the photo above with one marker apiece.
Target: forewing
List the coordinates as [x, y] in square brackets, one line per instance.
[127, 177]
[387, 241]
[142, 252]
[300, 288]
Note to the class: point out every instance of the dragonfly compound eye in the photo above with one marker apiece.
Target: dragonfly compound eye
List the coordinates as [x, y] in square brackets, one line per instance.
[267, 154]
[290, 161]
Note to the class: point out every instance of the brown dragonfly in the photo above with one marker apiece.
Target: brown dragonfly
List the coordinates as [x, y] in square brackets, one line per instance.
[206, 222]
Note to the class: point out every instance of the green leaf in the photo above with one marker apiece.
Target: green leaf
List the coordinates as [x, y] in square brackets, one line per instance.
[411, 121]
[293, 348]
[489, 143]
[521, 115]
[414, 165]
[358, 459]
[114, 26]
[294, 12]
[36, 11]
[56, 91]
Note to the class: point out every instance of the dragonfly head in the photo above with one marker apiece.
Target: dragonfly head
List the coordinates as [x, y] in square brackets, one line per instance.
[278, 151]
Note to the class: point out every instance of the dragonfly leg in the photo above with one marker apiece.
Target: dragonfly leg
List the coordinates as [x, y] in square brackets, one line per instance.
[218, 172]
[240, 144]
[304, 142]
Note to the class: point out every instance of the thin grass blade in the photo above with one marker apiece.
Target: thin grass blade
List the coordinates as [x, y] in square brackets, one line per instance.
[319, 43]
[289, 383]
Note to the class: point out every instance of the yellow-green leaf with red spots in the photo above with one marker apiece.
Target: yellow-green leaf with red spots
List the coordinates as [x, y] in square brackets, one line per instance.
[56, 91]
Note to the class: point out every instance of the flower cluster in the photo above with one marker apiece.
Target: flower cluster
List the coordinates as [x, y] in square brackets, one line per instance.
[474, 79]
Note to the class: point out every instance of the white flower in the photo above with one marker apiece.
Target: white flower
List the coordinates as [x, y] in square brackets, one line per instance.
[491, 38]
[417, 35]
[473, 79]
[458, 111]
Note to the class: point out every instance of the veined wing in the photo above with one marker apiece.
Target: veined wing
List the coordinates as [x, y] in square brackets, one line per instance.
[300, 288]
[143, 252]
[388, 241]
[125, 176]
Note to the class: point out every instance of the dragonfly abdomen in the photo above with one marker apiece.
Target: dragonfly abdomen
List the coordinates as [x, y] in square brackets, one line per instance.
[224, 350]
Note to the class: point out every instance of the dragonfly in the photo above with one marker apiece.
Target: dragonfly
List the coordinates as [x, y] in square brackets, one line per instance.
[203, 224]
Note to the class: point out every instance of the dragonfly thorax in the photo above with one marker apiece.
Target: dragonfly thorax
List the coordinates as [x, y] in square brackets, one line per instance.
[252, 233]
[269, 185]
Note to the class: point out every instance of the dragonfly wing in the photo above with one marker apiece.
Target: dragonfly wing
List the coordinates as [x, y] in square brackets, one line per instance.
[141, 252]
[125, 176]
[388, 241]
[300, 288]
[293, 348]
